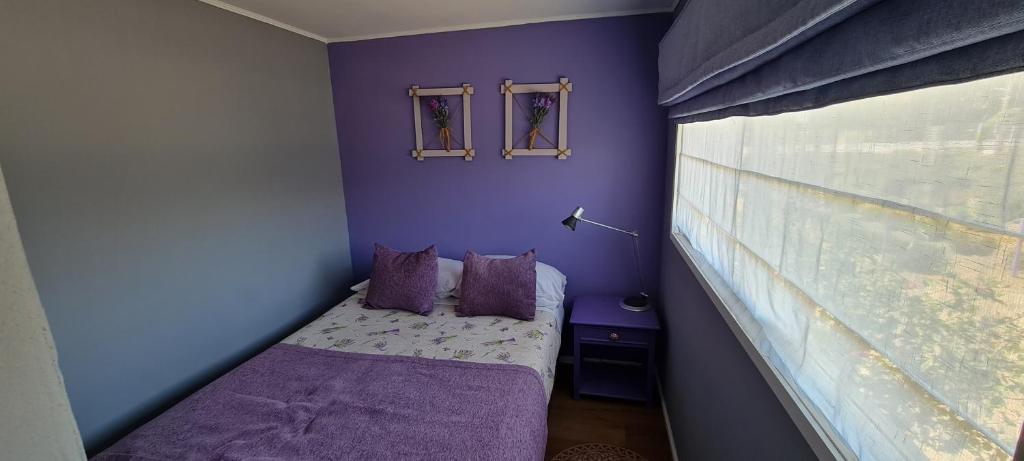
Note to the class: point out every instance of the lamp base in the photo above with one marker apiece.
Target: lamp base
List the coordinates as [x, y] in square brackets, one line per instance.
[638, 303]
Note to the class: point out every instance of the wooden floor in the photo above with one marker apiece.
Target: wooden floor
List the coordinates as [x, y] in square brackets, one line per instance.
[629, 425]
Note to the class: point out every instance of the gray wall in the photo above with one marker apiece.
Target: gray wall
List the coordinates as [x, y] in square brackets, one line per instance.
[719, 405]
[175, 174]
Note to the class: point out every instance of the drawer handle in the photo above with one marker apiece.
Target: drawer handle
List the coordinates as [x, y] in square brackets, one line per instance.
[613, 336]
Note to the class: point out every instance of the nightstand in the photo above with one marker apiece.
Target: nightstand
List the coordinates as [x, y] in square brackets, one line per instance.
[613, 349]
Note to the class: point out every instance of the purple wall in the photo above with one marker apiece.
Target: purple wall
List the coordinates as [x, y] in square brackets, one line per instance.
[492, 205]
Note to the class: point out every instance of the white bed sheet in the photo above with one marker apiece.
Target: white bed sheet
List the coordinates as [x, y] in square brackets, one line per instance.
[441, 335]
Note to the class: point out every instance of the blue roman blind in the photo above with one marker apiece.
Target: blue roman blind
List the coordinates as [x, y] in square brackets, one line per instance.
[756, 57]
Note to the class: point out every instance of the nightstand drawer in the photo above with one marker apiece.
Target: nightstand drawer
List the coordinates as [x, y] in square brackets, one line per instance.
[611, 335]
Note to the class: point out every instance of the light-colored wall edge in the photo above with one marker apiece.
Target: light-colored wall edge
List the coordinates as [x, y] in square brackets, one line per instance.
[262, 18]
[35, 415]
[432, 30]
[668, 423]
[493, 24]
[817, 431]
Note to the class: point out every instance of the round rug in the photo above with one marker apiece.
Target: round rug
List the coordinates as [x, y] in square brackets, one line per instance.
[597, 452]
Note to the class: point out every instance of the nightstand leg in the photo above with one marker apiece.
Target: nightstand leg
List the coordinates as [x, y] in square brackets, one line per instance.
[576, 364]
[651, 375]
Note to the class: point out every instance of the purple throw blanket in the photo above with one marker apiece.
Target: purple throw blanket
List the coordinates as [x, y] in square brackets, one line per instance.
[298, 403]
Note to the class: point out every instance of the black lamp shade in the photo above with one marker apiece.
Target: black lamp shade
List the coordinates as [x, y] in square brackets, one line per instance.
[573, 219]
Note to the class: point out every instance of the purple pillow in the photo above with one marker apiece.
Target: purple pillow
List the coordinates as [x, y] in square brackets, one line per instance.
[505, 287]
[404, 281]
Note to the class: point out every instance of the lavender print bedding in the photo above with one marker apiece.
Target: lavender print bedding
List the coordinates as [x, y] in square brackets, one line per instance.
[440, 335]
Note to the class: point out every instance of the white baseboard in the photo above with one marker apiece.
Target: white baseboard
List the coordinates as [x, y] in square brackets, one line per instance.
[668, 424]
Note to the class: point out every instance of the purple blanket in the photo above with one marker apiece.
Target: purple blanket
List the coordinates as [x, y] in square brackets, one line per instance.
[298, 403]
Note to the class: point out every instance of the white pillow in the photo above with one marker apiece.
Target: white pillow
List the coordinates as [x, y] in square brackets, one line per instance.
[449, 273]
[361, 286]
[550, 285]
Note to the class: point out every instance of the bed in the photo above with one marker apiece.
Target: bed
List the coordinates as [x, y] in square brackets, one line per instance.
[372, 384]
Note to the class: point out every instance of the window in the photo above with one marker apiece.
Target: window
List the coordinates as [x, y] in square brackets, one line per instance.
[874, 251]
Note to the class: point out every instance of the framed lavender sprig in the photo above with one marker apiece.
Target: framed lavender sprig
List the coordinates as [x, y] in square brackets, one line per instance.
[538, 111]
[546, 96]
[441, 113]
[442, 117]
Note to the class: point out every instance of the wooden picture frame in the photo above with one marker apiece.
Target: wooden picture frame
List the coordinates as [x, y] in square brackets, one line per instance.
[467, 152]
[563, 88]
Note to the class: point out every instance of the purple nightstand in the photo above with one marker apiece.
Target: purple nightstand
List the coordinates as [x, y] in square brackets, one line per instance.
[613, 349]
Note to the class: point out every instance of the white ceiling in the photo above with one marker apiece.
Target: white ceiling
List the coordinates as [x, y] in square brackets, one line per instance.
[348, 20]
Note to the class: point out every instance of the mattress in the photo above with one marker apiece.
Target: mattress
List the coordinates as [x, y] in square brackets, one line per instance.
[349, 327]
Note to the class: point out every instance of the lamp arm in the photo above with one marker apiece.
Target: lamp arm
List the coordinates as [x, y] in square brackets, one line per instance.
[636, 250]
[633, 233]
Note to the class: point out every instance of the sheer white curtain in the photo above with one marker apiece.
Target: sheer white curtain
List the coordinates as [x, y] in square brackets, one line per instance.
[876, 249]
